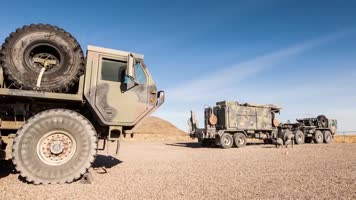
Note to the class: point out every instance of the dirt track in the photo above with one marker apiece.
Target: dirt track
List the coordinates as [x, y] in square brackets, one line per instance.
[169, 170]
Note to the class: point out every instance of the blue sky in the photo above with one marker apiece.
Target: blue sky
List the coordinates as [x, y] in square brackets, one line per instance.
[299, 54]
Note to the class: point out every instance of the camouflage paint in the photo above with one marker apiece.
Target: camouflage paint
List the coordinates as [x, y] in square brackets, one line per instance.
[113, 102]
[234, 117]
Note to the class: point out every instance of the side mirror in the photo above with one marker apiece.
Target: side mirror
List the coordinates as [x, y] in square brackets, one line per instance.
[160, 98]
[130, 67]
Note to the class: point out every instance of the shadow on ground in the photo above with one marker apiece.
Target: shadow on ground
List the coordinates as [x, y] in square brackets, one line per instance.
[6, 168]
[103, 162]
[185, 144]
[197, 145]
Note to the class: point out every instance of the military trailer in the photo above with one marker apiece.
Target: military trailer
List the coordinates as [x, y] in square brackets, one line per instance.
[56, 104]
[319, 129]
[230, 123]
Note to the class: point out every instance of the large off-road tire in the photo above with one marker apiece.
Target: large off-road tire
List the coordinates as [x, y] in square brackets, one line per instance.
[327, 137]
[226, 140]
[318, 137]
[54, 146]
[323, 121]
[27, 50]
[287, 136]
[299, 137]
[240, 140]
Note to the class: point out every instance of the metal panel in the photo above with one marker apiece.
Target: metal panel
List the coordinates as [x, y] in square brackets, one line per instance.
[10, 125]
[45, 95]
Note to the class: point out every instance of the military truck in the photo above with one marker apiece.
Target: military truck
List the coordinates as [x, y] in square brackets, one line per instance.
[230, 123]
[319, 129]
[55, 105]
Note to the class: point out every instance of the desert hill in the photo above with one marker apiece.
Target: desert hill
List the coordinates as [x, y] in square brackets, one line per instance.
[154, 128]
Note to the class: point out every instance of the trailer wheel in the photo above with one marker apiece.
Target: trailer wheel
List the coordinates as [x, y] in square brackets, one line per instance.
[32, 48]
[54, 146]
[327, 137]
[308, 140]
[318, 137]
[240, 140]
[287, 137]
[226, 140]
[299, 137]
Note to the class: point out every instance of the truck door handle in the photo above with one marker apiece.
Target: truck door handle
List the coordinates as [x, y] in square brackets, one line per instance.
[153, 92]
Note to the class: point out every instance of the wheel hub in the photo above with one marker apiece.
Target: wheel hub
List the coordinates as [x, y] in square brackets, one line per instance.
[56, 147]
[240, 140]
[45, 60]
[226, 141]
[44, 56]
[300, 137]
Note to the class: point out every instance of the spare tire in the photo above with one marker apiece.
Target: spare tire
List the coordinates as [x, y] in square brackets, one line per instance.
[322, 121]
[31, 48]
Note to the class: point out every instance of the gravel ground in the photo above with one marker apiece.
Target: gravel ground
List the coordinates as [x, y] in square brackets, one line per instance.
[169, 170]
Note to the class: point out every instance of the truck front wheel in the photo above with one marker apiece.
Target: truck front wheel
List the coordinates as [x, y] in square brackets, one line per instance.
[240, 140]
[54, 146]
[226, 140]
[318, 137]
[299, 137]
[327, 137]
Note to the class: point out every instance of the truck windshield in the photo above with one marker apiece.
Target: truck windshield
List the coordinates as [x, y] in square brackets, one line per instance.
[140, 74]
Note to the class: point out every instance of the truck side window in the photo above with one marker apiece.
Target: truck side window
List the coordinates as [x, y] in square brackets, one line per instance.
[112, 70]
[140, 74]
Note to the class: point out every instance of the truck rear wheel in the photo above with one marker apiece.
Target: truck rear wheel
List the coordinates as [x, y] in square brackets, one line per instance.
[327, 137]
[240, 140]
[318, 137]
[226, 140]
[31, 48]
[54, 146]
[299, 137]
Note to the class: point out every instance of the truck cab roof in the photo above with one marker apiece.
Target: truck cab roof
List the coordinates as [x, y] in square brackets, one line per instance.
[113, 51]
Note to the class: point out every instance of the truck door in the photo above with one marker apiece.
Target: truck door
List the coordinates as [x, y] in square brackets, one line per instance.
[116, 102]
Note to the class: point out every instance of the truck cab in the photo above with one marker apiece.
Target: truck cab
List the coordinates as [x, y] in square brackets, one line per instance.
[333, 126]
[119, 87]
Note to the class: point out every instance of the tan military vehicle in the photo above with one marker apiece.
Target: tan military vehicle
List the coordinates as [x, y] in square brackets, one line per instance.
[230, 123]
[55, 104]
[306, 130]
